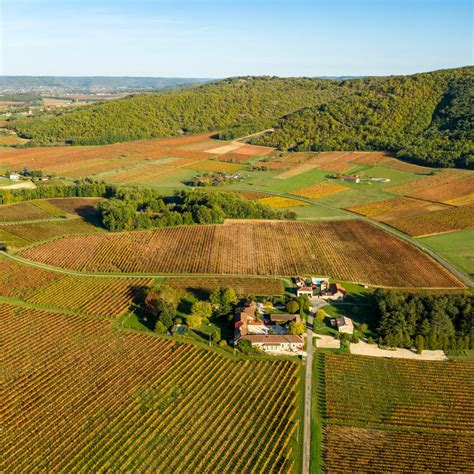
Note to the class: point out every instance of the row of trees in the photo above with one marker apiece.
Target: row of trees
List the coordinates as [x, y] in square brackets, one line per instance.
[137, 209]
[82, 188]
[425, 321]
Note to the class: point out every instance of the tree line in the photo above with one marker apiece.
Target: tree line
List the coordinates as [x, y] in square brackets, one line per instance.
[425, 321]
[131, 209]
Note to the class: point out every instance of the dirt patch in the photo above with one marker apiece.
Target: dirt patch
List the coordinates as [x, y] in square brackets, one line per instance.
[327, 342]
[24, 185]
[362, 348]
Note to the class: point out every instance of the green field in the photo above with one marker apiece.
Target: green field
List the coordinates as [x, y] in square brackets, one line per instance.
[456, 247]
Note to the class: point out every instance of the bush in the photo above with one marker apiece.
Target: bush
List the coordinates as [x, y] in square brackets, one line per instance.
[296, 329]
[160, 328]
[222, 343]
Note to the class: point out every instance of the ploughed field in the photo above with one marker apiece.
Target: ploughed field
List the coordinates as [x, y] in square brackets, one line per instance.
[348, 250]
[395, 415]
[81, 397]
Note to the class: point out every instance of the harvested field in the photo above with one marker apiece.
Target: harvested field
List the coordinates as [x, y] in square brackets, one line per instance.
[255, 150]
[277, 202]
[220, 150]
[397, 415]
[347, 250]
[213, 166]
[242, 286]
[79, 396]
[295, 170]
[343, 163]
[319, 190]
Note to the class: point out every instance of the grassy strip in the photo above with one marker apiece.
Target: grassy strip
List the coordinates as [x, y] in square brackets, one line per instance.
[317, 414]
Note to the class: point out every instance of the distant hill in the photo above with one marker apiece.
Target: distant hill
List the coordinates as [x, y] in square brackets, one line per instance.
[426, 118]
[86, 83]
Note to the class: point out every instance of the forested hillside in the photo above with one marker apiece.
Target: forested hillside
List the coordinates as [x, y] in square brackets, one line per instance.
[249, 104]
[425, 118]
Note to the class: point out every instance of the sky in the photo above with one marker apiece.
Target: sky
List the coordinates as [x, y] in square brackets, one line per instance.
[222, 38]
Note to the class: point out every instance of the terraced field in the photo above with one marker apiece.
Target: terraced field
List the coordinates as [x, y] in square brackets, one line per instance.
[347, 250]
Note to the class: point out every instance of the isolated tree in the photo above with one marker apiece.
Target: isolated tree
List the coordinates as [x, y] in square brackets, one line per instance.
[160, 328]
[293, 306]
[419, 344]
[321, 315]
[296, 328]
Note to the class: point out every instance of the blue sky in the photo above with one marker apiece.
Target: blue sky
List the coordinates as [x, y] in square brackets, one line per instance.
[209, 38]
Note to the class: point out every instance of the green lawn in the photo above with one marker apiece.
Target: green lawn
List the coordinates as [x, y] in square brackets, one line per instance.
[5, 181]
[456, 247]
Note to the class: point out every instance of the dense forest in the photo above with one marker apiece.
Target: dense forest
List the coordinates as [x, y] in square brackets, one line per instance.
[425, 118]
[425, 321]
[243, 105]
[131, 209]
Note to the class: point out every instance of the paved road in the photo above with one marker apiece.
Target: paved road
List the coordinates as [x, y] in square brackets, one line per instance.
[307, 395]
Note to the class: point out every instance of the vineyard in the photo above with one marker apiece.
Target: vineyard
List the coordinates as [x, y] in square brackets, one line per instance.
[443, 186]
[140, 162]
[80, 397]
[97, 296]
[386, 415]
[21, 234]
[319, 190]
[278, 202]
[347, 250]
[24, 211]
[416, 217]
[242, 286]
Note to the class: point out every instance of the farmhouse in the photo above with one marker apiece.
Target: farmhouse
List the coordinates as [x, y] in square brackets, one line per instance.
[343, 324]
[305, 291]
[13, 176]
[248, 327]
[271, 343]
